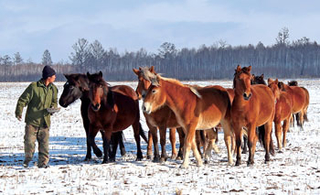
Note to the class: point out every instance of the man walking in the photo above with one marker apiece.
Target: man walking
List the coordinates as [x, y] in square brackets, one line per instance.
[39, 97]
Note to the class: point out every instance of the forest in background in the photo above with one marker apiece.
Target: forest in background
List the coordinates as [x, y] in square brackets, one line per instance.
[285, 59]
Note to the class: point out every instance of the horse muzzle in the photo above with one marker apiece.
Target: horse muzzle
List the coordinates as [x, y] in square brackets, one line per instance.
[95, 107]
[146, 108]
[247, 96]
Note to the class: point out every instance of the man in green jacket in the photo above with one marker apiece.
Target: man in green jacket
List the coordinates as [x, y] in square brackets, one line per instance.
[38, 96]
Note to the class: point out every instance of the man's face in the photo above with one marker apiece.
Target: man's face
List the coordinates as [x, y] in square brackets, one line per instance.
[52, 78]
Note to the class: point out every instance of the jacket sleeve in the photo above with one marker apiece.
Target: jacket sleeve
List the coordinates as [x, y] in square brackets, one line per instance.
[24, 100]
[54, 103]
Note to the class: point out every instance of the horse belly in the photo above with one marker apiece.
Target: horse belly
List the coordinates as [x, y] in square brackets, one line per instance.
[208, 122]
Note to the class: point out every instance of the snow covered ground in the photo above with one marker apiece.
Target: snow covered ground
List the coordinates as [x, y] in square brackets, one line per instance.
[295, 171]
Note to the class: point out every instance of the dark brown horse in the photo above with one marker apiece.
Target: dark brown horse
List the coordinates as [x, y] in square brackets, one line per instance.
[77, 87]
[282, 112]
[253, 106]
[112, 109]
[201, 108]
[163, 118]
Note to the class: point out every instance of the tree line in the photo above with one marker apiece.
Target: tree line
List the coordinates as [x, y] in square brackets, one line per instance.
[284, 59]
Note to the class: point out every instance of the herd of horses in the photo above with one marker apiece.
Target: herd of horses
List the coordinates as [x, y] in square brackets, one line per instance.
[245, 113]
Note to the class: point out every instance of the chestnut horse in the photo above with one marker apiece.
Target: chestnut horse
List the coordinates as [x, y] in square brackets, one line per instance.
[201, 108]
[300, 101]
[282, 112]
[112, 109]
[77, 87]
[253, 106]
[305, 117]
[161, 119]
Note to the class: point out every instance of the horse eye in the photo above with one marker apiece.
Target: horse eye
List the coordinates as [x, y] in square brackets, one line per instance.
[154, 91]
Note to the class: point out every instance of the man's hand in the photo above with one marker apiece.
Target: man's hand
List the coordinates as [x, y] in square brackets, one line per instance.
[19, 118]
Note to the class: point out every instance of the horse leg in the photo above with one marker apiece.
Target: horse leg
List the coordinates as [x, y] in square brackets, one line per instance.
[228, 139]
[98, 152]
[149, 146]
[172, 137]
[121, 144]
[301, 117]
[136, 130]
[252, 141]
[267, 139]
[181, 140]
[285, 130]
[238, 137]
[115, 140]
[106, 137]
[278, 132]
[190, 144]
[90, 140]
[154, 135]
[163, 131]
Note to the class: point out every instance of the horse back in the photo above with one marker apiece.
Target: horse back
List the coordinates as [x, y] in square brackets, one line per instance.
[298, 96]
[262, 104]
[283, 107]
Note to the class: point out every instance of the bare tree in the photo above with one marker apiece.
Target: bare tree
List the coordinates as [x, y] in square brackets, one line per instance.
[283, 37]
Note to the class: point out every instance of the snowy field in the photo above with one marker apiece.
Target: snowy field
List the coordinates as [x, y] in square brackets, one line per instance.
[295, 171]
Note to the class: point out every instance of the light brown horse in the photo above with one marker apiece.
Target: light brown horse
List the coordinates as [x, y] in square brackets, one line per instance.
[161, 119]
[165, 118]
[253, 106]
[112, 109]
[300, 101]
[201, 108]
[282, 112]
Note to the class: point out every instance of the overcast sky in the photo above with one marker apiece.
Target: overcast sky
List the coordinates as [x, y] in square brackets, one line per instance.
[32, 26]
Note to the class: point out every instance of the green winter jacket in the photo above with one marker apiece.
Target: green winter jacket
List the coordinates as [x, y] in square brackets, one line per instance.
[38, 98]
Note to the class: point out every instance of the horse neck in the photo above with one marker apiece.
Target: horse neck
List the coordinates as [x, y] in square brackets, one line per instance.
[176, 95]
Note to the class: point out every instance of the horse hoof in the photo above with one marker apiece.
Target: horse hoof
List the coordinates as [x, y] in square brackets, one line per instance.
[98, 153]
[87, 159]
[244, 152]
[138, 159]
[149, 156]
[280, 151]
[112, 160]
[183, 166]
[156, 160]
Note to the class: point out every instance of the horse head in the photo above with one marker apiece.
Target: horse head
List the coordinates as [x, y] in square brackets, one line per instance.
[273, 85]
[76, 87]
[99, 91]
[258, 79]
[293, 83]
[143, 83]
[242, 82]
[154, 97]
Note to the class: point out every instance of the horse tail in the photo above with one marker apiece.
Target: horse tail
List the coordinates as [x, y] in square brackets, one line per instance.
[215, 131]
[202, 137]
[261, 132]
[142, 134]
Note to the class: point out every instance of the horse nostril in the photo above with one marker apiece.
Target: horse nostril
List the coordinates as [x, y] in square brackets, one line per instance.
[143, 96]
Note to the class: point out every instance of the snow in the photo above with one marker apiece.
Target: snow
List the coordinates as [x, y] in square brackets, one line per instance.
[295, 171]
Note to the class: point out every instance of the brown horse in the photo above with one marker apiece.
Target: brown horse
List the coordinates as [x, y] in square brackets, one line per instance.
[282, 112]
[161, 119]
[253, 106]
[201, 108]
[305, 117]
[300, 101]
[77, 87]
[112, 109]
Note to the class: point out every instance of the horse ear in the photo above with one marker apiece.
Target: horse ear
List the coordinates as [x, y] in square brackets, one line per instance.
[152, 69]
[67, 76]
[238, 68]
[262, 76]
[269, 81]
[88, 75]
[100, 74]
[276, 81]
[136, 71]
[249, 68]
